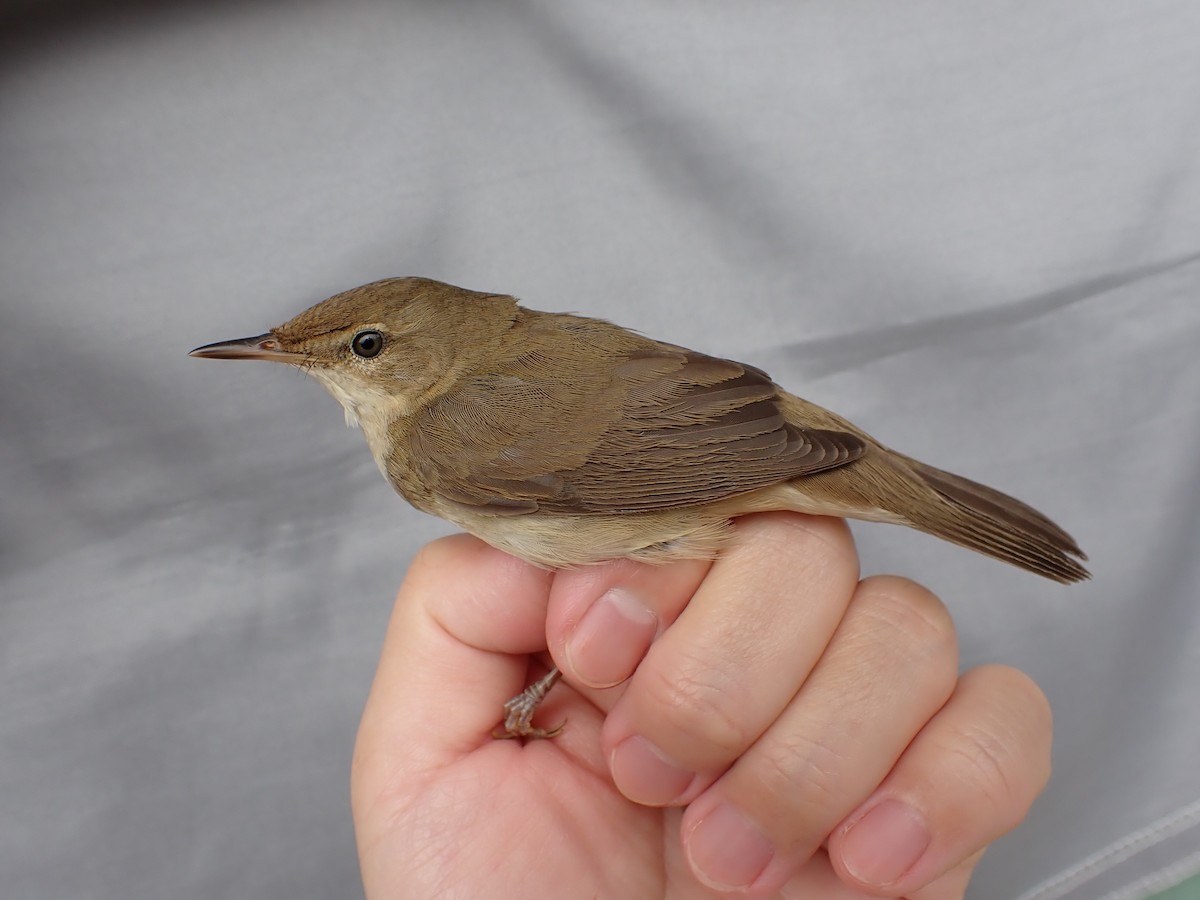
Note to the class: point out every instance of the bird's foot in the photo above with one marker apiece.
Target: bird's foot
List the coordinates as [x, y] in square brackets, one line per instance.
[518, 712]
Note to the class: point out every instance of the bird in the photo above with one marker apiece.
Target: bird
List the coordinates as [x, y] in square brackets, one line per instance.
[566, 440]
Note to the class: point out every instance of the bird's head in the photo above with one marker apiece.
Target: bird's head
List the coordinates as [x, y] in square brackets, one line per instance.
[384, 348]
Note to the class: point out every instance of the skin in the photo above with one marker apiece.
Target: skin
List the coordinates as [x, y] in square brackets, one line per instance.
[793, 707]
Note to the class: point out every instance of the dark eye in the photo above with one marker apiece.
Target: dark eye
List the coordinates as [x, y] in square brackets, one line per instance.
[367, 344]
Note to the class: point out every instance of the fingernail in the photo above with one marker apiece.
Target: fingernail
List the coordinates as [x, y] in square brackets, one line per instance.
[643, 773]
[727, 850]
[611, 639]
[885, 843]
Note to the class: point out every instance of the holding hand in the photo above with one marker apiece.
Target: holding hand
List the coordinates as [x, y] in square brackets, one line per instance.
[766, 723]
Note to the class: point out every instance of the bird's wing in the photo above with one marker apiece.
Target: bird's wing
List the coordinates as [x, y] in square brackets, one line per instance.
[657, 427]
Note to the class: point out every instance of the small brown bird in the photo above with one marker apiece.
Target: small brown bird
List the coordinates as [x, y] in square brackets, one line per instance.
[566, 440]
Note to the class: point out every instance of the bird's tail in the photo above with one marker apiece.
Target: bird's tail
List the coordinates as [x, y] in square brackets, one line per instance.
[983, 519]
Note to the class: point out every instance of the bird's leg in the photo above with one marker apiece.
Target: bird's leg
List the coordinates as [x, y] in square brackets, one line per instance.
[518, 712]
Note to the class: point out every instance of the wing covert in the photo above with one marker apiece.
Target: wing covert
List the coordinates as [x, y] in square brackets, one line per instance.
[654, 427]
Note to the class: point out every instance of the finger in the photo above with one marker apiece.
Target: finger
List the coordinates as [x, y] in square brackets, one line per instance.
[817, 879]
[453, 653]
[734, 659]
[888, 669]
[969, 777]
[601, 620]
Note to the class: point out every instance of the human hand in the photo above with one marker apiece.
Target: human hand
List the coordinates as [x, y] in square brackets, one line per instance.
[821, 743]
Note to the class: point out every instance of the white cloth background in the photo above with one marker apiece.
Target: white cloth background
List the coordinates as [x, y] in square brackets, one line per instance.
[972, 229]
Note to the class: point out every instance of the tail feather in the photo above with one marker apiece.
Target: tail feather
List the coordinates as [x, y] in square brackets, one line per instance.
[985, 520]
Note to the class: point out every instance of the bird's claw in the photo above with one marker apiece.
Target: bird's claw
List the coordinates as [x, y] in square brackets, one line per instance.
[518, 712]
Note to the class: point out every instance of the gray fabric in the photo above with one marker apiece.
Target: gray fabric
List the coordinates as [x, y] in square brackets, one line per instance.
[971, 229]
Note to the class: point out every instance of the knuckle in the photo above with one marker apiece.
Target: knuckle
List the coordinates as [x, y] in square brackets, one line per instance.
[700, 702]
[909, 618]
[816, 541]
[1024, 695]
[468, 563]
[1004, 754]
[803, 771]
[984, 759]
[1021, 722]
[441, 554]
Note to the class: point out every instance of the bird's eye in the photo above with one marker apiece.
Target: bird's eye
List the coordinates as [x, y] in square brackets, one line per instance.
[367, 344]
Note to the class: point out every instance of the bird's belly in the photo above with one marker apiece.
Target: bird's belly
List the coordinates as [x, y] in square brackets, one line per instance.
[661, 536]
[558, 541]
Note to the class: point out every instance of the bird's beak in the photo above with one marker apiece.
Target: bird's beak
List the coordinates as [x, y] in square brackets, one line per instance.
[263, 346]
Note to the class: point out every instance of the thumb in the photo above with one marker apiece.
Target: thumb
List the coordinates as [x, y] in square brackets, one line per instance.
[465, 619]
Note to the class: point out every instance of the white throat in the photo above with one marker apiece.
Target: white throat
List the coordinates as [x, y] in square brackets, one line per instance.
[368, 407]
